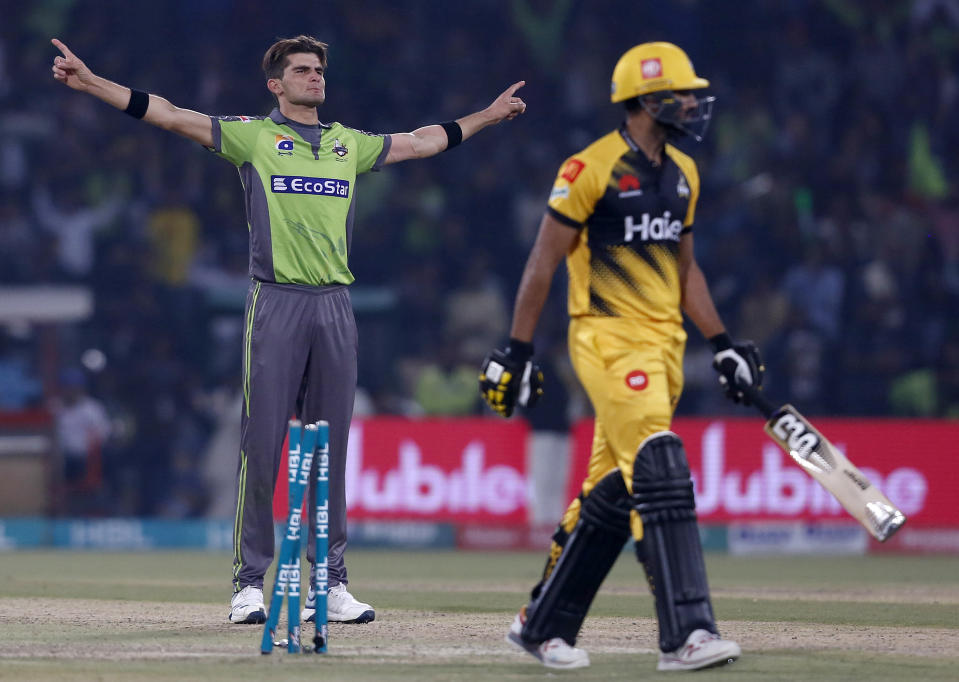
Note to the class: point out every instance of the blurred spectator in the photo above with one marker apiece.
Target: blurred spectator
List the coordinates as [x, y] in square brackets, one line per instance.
[73, 223]
[800, 353]
[445, 382]
[763, 309]
[174, 232]
[20, 386]
[816, 289]
[476, 311]
[18, 262]
[82, 430]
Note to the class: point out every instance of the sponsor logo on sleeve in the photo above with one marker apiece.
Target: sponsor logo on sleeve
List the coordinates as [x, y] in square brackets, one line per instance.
[294, 184]
[284, 145]
[559, 193]
[682, 189]
[651, 68]
[572, 170]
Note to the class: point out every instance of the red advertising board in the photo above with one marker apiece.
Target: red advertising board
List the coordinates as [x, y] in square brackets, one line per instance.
[740, 474]
[474, 470]
[463, 470]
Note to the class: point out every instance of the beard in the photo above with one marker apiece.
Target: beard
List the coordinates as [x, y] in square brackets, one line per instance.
[308, 99]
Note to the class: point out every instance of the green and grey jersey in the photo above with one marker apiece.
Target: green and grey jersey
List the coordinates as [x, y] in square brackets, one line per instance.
[300, 187]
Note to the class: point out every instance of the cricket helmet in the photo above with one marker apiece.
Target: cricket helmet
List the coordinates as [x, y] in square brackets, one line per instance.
[653, 67]
[652, 72]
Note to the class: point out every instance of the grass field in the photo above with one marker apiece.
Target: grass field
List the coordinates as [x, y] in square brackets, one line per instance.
[442, 616]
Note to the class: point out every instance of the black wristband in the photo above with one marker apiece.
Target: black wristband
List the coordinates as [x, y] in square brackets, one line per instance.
[454, 134]
[521, 350]
[720, 342]
[138, 104]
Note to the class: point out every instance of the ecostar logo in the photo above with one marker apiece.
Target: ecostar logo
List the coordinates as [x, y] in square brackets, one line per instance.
[413, 487]
[294, 184]
[781, 488]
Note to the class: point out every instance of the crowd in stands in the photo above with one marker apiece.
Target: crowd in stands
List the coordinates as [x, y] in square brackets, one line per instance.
[828, 225]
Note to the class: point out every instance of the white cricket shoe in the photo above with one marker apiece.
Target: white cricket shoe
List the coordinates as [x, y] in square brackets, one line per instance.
[553, 653]
[308, 611]
[341, 607]
[246, 606]
[309, 607]
[701, 650]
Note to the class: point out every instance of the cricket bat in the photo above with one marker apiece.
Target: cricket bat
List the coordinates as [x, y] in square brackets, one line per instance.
[813, 452]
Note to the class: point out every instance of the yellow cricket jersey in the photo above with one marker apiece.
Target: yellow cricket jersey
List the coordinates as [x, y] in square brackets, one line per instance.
[631, 213]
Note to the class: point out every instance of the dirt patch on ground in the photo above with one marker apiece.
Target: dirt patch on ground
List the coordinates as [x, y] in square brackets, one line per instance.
[924, 594]
[128, 630]
[895, 594]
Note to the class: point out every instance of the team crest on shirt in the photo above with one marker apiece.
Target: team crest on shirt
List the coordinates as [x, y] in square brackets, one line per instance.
[682, 189]
[284, 145]
[339, 149]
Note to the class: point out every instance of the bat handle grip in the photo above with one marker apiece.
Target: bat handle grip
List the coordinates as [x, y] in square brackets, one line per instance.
[757, 398]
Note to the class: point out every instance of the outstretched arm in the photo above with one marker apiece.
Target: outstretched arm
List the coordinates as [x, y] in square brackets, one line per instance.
[72, 72]
[433, 139]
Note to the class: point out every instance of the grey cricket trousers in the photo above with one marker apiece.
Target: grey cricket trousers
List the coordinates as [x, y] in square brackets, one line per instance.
[299, 357]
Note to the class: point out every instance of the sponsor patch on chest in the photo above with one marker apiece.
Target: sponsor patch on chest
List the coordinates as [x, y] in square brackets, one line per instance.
[283, 145]
[297, 184]
[649, 228]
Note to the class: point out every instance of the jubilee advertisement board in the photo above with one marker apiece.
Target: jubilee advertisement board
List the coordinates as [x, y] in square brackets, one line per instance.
[474, 470]
[740, 474]
[457, 470]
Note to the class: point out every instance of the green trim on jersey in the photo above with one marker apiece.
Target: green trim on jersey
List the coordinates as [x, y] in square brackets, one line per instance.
[248, 350]
[238, 523]
[300, 184]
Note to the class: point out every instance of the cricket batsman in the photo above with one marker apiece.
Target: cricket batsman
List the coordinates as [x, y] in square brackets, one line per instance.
[621, 212]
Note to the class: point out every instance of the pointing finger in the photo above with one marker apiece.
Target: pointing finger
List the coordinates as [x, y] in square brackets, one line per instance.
[514, 87]
[63, 48]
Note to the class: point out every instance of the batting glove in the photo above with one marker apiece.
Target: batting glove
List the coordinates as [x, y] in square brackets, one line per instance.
[738, 364]
[509, 378]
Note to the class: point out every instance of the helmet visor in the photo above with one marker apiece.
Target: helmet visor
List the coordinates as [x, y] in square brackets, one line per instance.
[680, 111]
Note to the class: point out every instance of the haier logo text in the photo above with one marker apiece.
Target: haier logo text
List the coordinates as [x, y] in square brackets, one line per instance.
[292, 184]
[653, 229]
